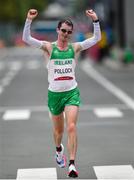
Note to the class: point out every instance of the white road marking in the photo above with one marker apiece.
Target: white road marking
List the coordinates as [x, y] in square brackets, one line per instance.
[15, 66]
[37, 174]
[11, 73]
[8, 77]
[1, 89]
[108, 112]
[6, 80]
[33, 65]
[16, 115]
[122, 172]
[84, 107]
[2, 65]
[91, 72]
[90, 107]
[30, 108]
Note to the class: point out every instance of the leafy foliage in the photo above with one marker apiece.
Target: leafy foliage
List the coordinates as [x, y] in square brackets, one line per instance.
[16, 10]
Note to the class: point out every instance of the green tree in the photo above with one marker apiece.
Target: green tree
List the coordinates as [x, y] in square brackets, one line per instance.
[15, 10]
[79, 6]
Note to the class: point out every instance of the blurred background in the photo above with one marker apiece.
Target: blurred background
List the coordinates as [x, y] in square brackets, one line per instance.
[116, 17]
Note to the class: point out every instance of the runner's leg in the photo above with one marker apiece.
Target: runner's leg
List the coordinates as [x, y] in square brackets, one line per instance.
[71, 113]
[58, 128]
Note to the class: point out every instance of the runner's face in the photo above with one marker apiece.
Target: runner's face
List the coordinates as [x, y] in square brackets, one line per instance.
[65, 32]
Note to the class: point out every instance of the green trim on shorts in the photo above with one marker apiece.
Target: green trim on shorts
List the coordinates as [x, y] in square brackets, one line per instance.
[58, 100]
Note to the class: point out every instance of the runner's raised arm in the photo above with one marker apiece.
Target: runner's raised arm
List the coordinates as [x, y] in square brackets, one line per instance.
[79, 46]
[27, 38]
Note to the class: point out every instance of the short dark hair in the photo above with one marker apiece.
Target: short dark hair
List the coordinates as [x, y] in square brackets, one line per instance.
[66, 21]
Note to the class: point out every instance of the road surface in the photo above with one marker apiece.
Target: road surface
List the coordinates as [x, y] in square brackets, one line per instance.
[105, 124]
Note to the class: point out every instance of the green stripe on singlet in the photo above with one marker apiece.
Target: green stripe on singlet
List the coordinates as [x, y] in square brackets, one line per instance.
[62, 54]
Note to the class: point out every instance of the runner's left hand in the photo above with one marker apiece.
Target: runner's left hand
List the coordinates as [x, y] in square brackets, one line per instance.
[92, 14]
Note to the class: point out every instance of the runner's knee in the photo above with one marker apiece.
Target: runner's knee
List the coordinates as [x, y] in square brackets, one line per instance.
[71, 128]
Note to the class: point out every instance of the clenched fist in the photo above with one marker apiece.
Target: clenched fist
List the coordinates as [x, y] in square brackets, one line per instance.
[32, 13]
[92, 14]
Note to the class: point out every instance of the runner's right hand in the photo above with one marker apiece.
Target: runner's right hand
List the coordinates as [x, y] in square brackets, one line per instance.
[32, 13]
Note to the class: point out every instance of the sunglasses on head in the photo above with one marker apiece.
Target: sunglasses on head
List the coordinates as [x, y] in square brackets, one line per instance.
[64, 31]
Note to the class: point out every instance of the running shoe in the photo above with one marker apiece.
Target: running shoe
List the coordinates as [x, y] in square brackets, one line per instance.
[61, 158]
[72, 172]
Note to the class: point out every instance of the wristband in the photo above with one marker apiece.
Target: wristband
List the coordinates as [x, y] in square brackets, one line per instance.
[95, 21]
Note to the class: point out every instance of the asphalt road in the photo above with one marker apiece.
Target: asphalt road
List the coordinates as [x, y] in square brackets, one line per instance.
[105, 124]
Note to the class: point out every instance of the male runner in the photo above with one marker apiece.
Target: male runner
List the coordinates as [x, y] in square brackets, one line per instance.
[63, 93]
